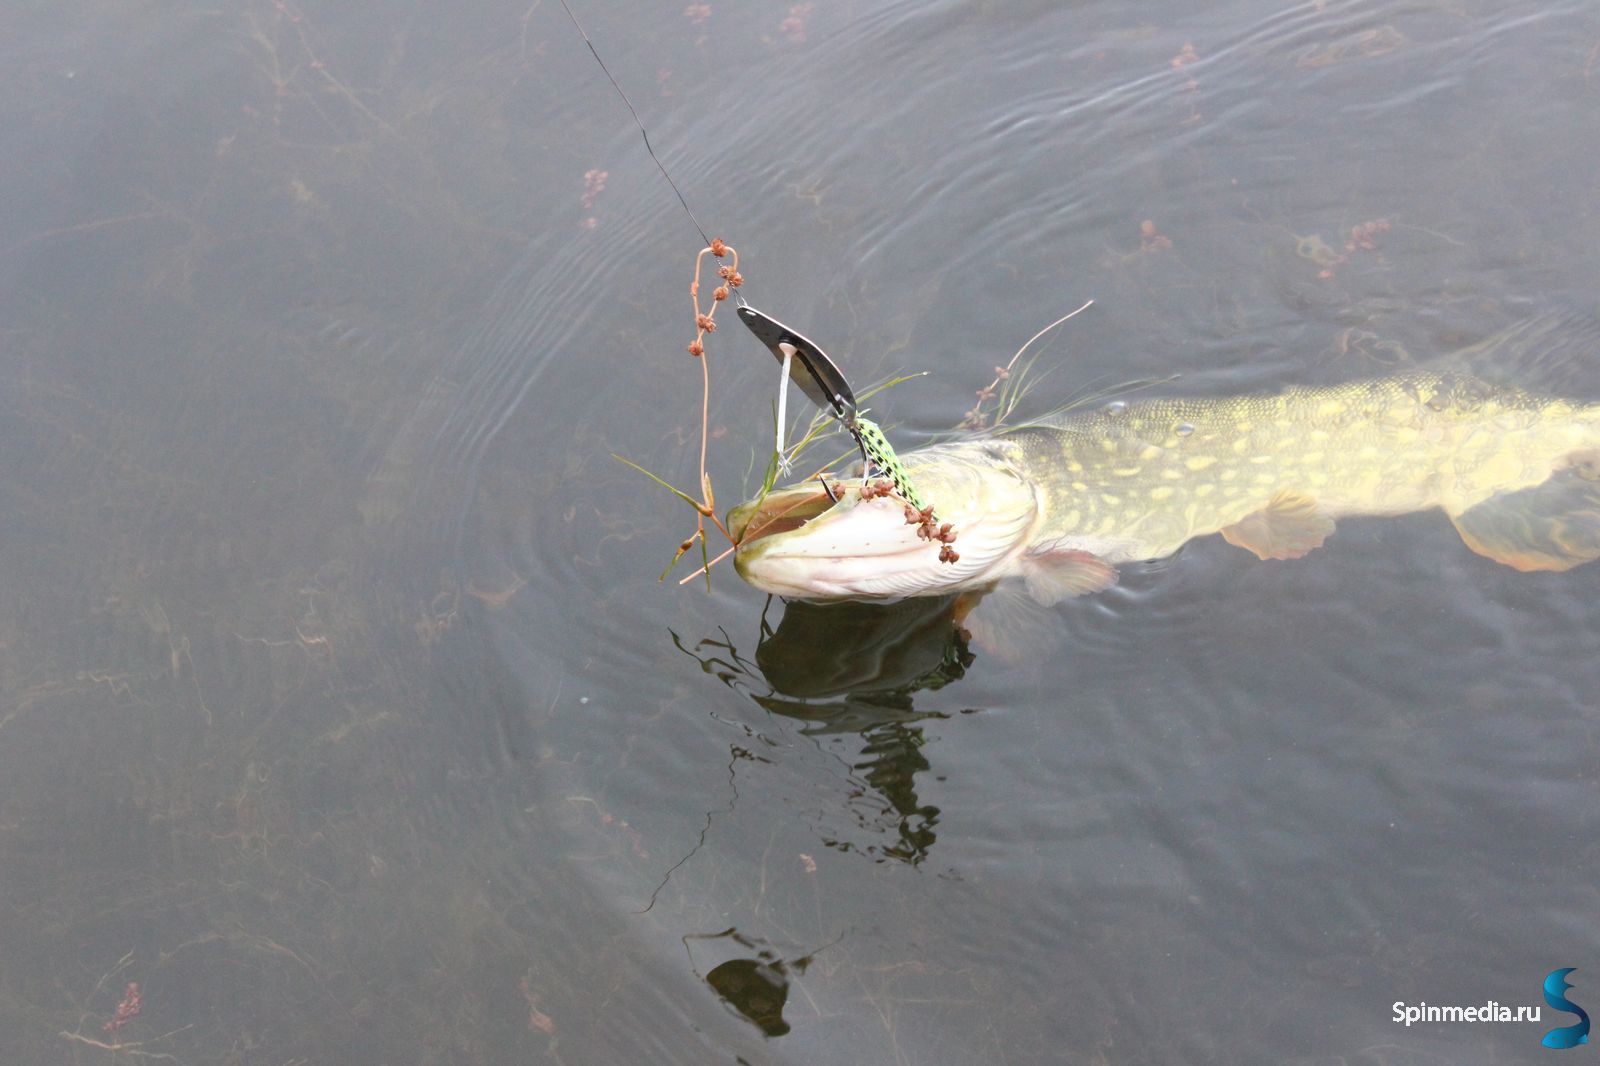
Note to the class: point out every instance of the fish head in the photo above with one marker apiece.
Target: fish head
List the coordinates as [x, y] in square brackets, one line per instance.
[801, 543]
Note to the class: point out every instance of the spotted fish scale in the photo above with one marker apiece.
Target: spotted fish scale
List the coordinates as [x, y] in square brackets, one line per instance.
[1272, 473]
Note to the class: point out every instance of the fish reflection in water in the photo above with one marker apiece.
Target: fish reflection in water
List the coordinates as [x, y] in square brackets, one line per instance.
[840, 670]
[855, 668]
[881, 651]
[755, 985]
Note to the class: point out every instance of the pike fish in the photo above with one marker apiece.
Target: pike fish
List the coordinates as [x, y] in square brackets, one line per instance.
[1061, 503]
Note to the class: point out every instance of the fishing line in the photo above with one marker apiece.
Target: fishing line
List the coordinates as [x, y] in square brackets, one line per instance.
[637, 122]
[875, 448]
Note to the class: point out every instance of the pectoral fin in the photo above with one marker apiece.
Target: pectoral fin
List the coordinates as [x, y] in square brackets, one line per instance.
[1013, 625]
[1008, 624]
[1286, 528]
[1553, 526]
[1053, 576]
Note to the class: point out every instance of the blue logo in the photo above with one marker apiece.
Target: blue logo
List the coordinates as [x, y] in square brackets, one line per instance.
[1568, 1036]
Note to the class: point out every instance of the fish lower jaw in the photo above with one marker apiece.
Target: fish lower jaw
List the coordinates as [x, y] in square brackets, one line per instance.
[873, 577]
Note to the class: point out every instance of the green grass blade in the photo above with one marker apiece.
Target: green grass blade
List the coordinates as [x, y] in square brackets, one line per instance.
[891, 383]
[684, 496]
[705, 562]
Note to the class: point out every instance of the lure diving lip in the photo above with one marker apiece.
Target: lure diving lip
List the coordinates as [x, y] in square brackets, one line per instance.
[809, 368]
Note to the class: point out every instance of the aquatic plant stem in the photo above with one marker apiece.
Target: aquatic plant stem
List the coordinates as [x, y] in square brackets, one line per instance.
[729, 550]
[974, 419]
[705, 422]
[706, 323]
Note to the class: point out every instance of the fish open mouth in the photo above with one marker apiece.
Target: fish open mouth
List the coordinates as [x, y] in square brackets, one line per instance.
[779, 511]
[801, 542]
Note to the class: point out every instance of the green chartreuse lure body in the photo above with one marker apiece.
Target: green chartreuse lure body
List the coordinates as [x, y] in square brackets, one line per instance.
[880, 455]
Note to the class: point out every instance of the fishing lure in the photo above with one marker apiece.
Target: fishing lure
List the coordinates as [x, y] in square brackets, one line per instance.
[803, 362]
[808, 366]
[880, 456]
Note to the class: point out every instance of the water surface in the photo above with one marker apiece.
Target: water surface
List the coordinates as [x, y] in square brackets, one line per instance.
[340, 706]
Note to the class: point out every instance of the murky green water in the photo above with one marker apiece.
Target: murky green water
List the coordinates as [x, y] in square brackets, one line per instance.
[340, 708]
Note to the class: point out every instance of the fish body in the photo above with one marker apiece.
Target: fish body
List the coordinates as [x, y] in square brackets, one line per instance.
[1063, 502]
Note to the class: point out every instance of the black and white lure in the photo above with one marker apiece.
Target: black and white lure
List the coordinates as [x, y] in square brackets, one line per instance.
[809, 367]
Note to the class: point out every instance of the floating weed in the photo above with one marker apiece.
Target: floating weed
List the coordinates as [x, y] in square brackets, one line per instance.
[821, 426]
[1010, 385]
[705, 322]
